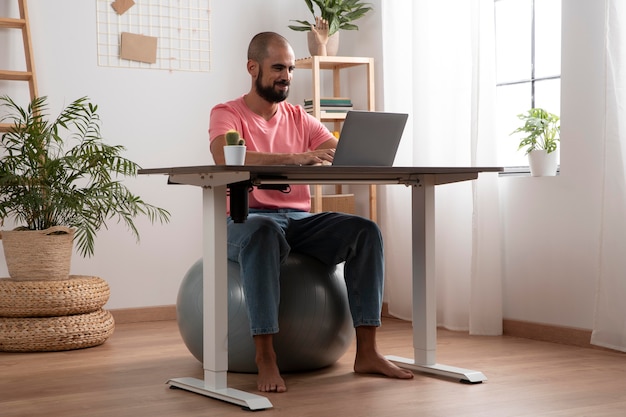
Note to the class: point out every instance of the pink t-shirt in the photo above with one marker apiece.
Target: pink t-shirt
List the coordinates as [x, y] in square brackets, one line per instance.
[290, 130]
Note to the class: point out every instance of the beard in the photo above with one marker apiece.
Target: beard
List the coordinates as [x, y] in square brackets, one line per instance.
[268, 92]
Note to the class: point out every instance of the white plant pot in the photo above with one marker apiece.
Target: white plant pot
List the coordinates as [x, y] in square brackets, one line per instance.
[542, 164]
[235, 154]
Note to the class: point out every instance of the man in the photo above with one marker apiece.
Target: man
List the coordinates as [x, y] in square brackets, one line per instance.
[277, 132]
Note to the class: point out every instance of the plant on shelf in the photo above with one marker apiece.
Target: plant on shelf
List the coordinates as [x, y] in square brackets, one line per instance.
[61, 173]
[542, 130]
[338, 13]
[542, 136]
[233, 138]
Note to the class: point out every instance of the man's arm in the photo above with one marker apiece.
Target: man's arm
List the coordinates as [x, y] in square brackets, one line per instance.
[323, 154]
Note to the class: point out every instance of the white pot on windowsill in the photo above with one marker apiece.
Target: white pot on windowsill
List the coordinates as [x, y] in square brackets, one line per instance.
[542, 163]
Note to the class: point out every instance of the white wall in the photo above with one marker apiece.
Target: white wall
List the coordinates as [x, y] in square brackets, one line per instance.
[551, 231]
[161, 117]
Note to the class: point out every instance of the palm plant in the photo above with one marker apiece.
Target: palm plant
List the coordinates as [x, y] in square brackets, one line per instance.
[338, 13]
[46, 180]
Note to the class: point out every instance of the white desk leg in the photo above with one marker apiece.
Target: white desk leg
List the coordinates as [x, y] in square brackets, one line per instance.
[425, 291]
[215, 300]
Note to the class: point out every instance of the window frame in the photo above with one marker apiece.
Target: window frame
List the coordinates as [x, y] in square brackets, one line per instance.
[532, 80]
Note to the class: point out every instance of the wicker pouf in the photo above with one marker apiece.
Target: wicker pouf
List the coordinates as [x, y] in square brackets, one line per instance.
[77, 295]
[55, 333]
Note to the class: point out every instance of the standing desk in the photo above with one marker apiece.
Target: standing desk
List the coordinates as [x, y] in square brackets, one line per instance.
[214, 181]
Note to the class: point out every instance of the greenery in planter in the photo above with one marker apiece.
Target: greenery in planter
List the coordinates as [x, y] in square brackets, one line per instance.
[233, 138]
[542, 130]
[339, 13]
[48, 180]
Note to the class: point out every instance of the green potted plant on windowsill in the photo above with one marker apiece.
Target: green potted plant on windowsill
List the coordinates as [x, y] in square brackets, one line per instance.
[340, 15]
[59, 179]
[541, 143]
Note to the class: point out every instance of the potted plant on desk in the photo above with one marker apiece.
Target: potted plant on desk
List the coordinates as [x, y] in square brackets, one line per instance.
[60, 190]
[235, 149]
[339, 14]
[542, 138]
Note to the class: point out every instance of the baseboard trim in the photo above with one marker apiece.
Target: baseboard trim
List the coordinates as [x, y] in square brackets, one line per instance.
[548, 333]
[536, 331]
[385, 310]
[168, 312]
[144, 314]
[516, 328]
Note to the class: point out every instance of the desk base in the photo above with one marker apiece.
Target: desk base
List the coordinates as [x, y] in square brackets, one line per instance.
[231, 395]
[464, 375]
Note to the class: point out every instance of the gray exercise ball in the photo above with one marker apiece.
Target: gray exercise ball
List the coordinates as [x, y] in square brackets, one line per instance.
[314, 317]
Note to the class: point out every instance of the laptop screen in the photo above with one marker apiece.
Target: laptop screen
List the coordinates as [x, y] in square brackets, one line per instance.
[369, 138]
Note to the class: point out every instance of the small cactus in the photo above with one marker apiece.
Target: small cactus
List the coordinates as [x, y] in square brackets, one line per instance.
[232, 138]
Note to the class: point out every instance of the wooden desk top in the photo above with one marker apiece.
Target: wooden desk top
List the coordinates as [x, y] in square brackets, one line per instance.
[327, 174]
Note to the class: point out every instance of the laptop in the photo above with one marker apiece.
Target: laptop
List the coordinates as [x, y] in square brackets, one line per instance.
[369, 138]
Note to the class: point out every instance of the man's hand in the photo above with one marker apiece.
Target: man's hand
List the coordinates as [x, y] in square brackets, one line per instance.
[321, 35]
[316, 157]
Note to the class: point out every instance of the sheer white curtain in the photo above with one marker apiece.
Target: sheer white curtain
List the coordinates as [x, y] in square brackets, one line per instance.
[439, 66]
[610, 317]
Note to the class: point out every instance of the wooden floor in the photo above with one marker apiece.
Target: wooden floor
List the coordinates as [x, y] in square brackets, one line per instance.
[127, 376]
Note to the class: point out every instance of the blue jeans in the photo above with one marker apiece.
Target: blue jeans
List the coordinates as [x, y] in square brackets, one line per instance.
[264, 241]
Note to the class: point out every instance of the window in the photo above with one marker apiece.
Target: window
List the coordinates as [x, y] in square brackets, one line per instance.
[528, 67]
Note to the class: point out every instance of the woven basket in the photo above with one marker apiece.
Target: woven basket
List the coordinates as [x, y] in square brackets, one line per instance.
[55, 333]
[38, 255]
[77, 295]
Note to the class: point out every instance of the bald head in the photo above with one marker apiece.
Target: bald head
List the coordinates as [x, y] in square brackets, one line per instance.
[259, 46]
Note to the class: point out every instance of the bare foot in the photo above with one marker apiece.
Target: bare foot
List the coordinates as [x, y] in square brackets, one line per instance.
[269, 379]
[375, 363]
[369, 361]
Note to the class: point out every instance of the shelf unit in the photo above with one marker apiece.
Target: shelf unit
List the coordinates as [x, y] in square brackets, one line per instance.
[335, 64]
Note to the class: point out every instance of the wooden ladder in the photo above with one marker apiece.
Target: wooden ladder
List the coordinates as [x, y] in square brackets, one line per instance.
[29, 74]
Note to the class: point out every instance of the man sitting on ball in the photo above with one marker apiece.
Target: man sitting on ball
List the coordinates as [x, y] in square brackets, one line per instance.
[278, 133]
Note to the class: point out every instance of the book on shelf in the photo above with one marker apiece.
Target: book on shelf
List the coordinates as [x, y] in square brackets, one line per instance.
[332, 114]
[330, 101]
[330, 108]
